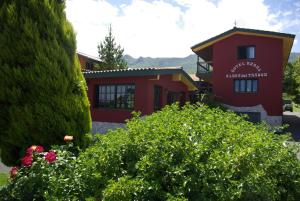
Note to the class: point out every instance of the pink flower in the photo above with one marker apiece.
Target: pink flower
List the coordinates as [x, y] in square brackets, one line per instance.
[68, 138]
[26, 161]
[50, 156]
[13, 172]
[34, 148]
[39, 149]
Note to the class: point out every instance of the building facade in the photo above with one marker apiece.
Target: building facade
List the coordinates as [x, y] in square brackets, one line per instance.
[87, 62]
[115, 94]
[245, 69]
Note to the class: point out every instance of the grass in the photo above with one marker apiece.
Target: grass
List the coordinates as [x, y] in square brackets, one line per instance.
[3, 179]
[296, 107]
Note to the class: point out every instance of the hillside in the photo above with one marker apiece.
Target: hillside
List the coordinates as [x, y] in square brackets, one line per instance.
[293, 56]
[188, 63]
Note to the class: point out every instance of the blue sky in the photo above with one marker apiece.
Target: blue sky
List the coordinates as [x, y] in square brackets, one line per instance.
[168, 28]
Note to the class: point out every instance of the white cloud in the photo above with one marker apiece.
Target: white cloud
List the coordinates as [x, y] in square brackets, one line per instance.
[159, 28]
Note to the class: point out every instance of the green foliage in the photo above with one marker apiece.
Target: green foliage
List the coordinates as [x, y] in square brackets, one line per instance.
[111, 54]
[177, 154]
[3, 179]
[43, 92]
[291, 82]
[193, 153]
[46, 181]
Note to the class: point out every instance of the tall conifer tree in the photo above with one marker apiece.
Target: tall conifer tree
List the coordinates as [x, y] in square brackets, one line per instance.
[42, 90]
[111, 54]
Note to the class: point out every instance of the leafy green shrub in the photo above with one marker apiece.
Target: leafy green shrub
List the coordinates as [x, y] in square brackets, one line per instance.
[189, 153]
[193, 153]
[43, 175]
[43, 92]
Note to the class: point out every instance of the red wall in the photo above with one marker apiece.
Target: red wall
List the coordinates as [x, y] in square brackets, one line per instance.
[268, 56]
[82, 61]
[143, 95]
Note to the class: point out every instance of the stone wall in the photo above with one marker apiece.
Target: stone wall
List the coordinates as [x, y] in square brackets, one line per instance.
[271, 120]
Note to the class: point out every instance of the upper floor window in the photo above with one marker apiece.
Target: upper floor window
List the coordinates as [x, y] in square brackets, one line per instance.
[115, 96]
[89, 65]
[245, 86]
[246, 52]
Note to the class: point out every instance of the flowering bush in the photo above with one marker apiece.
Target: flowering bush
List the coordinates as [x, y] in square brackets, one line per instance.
[50, 156]
[13, 172]
[189, 153]
[41, 174]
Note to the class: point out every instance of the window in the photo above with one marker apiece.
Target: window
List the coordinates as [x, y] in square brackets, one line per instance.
[89, 65]
[157, 98]
[115, 96]
[245, 86]
[246, 52]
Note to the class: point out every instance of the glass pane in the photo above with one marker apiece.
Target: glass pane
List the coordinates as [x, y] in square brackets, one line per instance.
[112, 96]
[112, 89]
[102, 96]
[254, 85]
[102, 89]
[249, 83]
[242, 52]
[250, 52]
[242, 85]
[236, 85]
[119, 89]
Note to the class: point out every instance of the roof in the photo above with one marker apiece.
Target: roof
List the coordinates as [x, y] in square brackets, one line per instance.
[89, 56]
[194, 77]
[178, 74]
[288, 39]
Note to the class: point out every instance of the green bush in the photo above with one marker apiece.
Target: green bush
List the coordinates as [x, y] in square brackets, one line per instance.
[45, 178]
[43, 92]
[194, 153]
[190, 153]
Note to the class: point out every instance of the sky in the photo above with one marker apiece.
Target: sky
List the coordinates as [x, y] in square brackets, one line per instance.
[168, 28]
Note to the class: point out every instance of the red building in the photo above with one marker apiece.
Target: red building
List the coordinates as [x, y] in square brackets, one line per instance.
[87, 62]
[115, 94]
[245, 69]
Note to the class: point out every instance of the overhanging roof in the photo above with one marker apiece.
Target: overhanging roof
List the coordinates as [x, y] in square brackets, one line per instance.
[288, 39]
[178, 74]
[96, 59]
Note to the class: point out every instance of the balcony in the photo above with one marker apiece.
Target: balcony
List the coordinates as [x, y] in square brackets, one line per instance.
[204, 70]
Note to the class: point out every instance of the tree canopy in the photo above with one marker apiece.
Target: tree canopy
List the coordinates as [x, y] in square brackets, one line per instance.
[111, 54]
[291, 82]
[43, 92]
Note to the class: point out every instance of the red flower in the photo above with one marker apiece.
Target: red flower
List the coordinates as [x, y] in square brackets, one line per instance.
[50, 156]
[39, 149]
[34, 148]
[68, 138]
[26, 161]
[13, 172]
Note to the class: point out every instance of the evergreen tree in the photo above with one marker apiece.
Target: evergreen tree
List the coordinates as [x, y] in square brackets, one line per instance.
[42, 90]
[111, 54]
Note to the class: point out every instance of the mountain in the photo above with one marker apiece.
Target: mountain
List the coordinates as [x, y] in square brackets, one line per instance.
[188, 63]
[293, 56]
